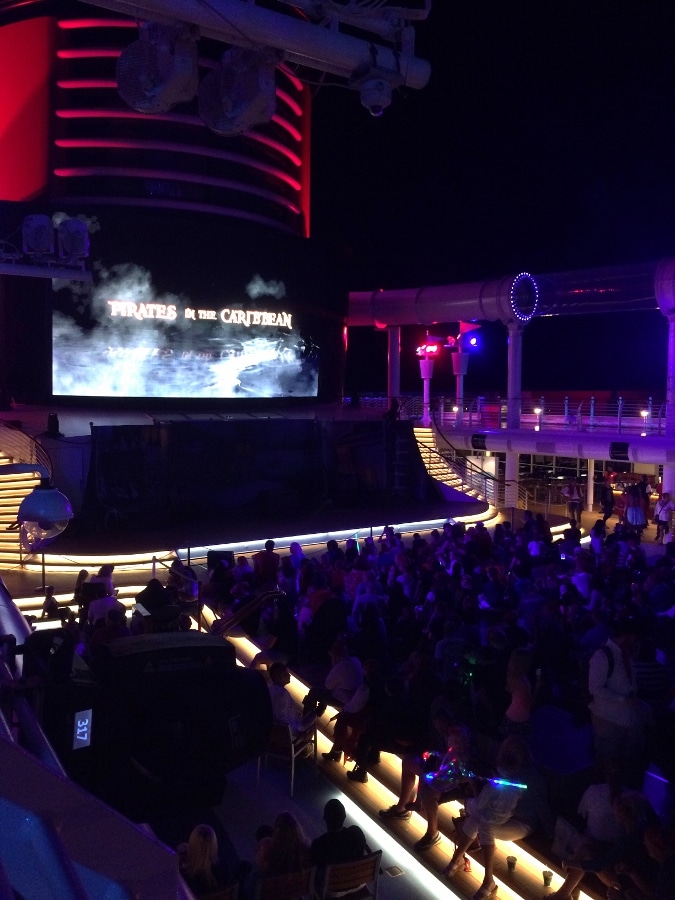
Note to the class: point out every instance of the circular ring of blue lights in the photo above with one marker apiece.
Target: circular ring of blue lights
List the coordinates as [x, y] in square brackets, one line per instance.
[521, 281]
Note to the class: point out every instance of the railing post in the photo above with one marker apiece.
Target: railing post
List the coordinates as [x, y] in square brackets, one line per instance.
[650, 402]
[591, 420]
[619, 413]
[154, 566]
[567, 411]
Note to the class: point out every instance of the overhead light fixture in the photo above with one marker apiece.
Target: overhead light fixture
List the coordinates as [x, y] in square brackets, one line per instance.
[376, 95]
[160, 69]
[375, 85]
[240, 93]
[38, 235]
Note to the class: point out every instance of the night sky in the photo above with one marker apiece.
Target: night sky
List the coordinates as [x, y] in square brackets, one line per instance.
[544, 141]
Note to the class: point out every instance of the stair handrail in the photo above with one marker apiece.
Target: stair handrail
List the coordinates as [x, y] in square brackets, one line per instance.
[224, 624]
[523, 495]
[477, 479]
[23, 448]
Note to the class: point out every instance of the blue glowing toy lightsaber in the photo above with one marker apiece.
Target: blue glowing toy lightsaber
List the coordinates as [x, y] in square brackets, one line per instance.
[505, 783]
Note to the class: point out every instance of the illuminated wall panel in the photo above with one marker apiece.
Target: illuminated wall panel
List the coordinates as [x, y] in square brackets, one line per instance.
[26, 52]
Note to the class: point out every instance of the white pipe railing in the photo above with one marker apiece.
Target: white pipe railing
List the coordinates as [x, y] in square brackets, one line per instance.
[539, 414]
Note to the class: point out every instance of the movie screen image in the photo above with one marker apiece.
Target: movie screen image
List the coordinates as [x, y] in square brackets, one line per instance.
[233, 312]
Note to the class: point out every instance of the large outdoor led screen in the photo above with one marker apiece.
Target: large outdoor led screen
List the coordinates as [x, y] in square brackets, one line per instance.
[224, 311]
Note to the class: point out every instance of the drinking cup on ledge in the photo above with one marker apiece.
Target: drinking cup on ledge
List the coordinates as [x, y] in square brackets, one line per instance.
[511, 863]
[548, 877]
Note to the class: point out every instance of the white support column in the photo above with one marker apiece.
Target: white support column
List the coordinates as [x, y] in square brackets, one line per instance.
[513, 400]
[511, 487]
[514, 374]
[393, 364]
[590, 485]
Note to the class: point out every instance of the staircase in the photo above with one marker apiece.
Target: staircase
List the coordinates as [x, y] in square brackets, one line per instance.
[455, 478]
[13, 488]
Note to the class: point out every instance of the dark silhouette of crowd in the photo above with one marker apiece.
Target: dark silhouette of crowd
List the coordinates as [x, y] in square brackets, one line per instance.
[492, 625]
[461, 635]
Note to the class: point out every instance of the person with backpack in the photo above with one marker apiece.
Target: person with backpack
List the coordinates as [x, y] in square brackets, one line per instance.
[618, 718]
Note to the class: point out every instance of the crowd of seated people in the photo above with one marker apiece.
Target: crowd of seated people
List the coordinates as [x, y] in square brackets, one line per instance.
[283, 848]
[494, 622]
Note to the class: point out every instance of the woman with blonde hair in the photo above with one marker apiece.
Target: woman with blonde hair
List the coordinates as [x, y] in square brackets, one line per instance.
[198, 861]
[285, 850]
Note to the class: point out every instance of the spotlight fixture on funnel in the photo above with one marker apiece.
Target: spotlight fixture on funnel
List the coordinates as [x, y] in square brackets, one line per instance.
[240, 93]
[160, 69]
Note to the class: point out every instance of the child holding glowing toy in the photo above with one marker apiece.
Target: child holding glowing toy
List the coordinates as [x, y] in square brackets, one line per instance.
[508, 807]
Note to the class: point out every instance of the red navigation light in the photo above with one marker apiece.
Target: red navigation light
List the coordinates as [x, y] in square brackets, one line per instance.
[427, 351]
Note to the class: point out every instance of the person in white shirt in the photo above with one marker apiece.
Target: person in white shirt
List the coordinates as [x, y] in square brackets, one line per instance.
[342, 681]
[575, 499]
[662, 512]
[99, 607]
[285, 711]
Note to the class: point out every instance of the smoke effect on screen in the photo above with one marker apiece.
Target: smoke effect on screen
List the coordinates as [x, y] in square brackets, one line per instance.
[126, 339]
[258, 288]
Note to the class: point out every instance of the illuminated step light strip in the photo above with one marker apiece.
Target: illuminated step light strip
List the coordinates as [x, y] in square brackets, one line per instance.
[321, 537]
